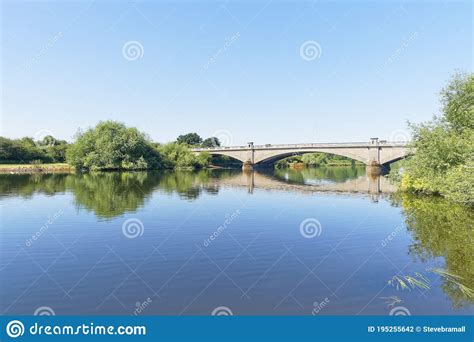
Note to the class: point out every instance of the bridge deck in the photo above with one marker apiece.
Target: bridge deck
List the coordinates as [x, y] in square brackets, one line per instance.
[301, 146]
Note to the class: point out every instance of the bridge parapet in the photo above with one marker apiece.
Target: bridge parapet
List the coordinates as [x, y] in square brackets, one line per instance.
[304, 145]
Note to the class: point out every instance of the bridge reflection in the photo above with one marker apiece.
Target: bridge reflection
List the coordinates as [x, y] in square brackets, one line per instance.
[371, 184]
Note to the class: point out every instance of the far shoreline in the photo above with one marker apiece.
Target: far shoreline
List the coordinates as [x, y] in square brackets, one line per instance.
[66, 168]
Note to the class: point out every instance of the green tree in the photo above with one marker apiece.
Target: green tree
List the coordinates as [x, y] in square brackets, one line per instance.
[444, 147]
[112, 145]
[22, 150]
[179, 156]
[47, 141]
[211, 142]
[57, 152]
[189, 139]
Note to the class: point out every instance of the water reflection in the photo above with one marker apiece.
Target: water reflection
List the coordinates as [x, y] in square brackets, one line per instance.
[319, 175]
[112, 194]
[442, 229]
[438, 234]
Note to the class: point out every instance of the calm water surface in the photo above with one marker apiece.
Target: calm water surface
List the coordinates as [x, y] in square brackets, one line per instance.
[320, 241]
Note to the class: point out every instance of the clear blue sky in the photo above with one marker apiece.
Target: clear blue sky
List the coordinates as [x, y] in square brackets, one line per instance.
[231, 66]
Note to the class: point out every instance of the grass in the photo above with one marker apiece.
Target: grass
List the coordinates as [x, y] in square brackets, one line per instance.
[455, 279]
[25, 168]
[6, 166]
[407, 282]
[392, 300]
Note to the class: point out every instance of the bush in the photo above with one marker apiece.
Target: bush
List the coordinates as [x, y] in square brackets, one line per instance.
[112, 146]
[24, 150]
[179, 156]
[444, 147]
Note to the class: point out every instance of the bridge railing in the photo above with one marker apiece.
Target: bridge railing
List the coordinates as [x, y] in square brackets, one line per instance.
[310, 145]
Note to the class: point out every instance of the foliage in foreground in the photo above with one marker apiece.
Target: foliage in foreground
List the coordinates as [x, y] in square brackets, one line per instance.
[443, 163]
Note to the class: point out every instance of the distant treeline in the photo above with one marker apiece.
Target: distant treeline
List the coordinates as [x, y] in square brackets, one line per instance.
[27, 150]
[314, 160]
[109, 145]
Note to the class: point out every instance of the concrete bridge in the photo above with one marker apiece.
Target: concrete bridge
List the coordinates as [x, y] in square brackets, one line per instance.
[374, 153]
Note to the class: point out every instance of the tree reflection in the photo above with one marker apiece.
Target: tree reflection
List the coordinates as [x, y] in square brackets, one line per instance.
[109, 194]
[27, 185]
[325, 174]
[443, 229]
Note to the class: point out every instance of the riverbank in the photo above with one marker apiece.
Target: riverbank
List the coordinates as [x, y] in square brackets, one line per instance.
[66, 168]
[36, 168]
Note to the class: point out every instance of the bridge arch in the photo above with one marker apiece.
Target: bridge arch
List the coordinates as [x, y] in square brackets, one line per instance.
[237, 155]
[278, 155]
[394, 156]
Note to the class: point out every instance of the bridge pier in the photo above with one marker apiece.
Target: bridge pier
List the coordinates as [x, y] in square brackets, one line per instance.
[377, 169]
[247, 166]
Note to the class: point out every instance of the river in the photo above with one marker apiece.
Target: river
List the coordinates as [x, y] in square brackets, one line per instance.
[324, 241]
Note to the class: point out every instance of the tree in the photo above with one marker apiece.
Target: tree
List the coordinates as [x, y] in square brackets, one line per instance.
[444, 147]
[57, 152]
[211, 142]
[189, 139]
[178, 156]
[47, 141]
[111, 145]
[458, 102]
[22, 150]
